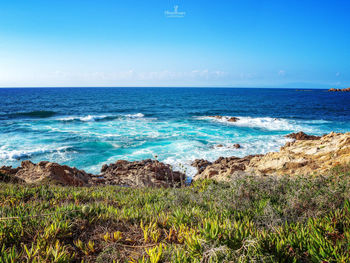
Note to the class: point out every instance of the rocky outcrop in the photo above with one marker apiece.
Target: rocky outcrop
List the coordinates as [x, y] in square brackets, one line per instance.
[315, 156]
[136, 174]
[200, 164]
[139, 174]
[229, 119]
[341, 90]
[222, 168]
[302, 136]
[47, 172]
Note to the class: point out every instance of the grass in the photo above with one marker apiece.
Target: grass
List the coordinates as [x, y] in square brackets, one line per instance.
[250, 219]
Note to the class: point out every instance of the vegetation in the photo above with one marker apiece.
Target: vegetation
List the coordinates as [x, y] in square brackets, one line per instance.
[250, 219]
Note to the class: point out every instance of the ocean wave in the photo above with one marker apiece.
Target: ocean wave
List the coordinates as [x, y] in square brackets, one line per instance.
[91, 118]
[31, 114]
[12, 155]
[136, 115]
[87, 118]
[268, 123]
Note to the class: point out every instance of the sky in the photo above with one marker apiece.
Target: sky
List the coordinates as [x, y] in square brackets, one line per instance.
[227, 43]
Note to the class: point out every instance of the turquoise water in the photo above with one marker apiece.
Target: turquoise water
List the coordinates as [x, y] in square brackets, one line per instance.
[87, 128]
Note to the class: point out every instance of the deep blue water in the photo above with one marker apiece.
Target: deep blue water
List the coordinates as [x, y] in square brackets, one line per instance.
[87, 127]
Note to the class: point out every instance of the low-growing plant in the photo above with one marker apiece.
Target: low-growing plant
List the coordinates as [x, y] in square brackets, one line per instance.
[247, 219]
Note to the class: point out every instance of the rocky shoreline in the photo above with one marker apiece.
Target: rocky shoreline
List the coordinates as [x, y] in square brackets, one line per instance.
[341, 90]
[306, 154]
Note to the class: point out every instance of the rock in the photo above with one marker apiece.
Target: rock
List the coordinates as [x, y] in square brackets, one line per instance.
[47, 172]
[302, 157]
[8, 175]
[302, 136]
[229, 119]
[104, 168]
[219, 145]
[232, 119]
[140, 173]
[222, 167]
[200, 164]
[341, 90]
[216, 117]
[237, 146]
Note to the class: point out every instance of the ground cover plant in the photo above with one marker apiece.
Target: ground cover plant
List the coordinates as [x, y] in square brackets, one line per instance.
[249, 219]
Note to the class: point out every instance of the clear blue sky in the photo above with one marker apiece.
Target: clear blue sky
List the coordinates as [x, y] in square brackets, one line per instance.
[134, 43]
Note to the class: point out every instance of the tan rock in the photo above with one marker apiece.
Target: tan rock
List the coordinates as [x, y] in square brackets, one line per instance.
[52, 172]
[314, 156]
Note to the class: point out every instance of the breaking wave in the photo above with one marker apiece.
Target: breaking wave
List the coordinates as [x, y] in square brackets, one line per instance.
[267, 123]
[12, 155]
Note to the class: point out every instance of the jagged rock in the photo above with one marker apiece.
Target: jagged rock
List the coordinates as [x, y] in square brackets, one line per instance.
[8, 175]
[140, 173]
[230, 119]
[52, 172]
[302, 157]
[200, 164]
[222, 167]
[342, 90]
[216, 117]
[237, 146]
[302, 136]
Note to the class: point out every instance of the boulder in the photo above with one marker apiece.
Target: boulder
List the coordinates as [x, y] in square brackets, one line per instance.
[237, 146]
[47, 172]
[302, 136]
[232, 119]
[139, 174]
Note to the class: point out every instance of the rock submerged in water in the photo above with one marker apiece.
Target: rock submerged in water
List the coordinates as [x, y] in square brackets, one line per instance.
[229, 119]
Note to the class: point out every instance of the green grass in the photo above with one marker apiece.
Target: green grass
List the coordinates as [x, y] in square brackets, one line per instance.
[250, 219]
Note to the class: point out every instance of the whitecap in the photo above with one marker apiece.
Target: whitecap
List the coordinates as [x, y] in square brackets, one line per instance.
[136, 115]
[12, 155]
[267, 123]
[83, 118]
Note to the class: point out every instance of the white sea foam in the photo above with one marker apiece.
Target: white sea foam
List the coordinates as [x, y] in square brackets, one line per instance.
[12, 155]
[83, 118]
[91, 118]
[268, 123]
[136, 115]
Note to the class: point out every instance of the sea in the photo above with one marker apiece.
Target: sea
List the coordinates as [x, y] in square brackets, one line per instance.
[89, 127]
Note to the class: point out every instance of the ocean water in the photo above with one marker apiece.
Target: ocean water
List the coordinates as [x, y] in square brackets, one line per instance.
[88, 127]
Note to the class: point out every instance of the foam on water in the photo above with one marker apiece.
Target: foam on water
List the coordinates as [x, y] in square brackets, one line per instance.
[83, 118]
[104, 125]
[136, 115]
[267, 123]
[11, 155]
